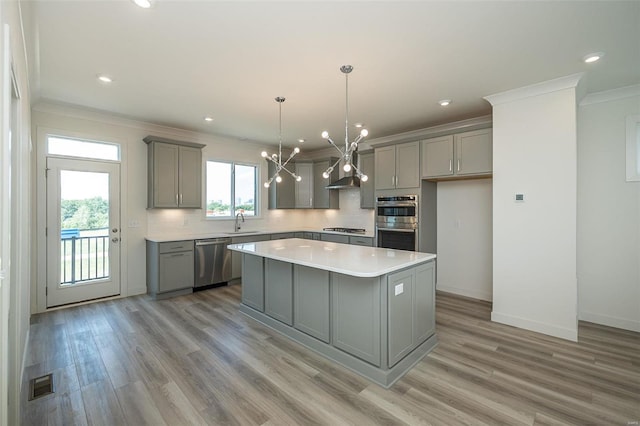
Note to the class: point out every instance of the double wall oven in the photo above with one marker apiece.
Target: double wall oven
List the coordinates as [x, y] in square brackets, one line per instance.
[397, 222]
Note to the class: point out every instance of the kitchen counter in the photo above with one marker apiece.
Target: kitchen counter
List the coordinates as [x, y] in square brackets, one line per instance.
[357, 261]
[372, 310]
[244, 233]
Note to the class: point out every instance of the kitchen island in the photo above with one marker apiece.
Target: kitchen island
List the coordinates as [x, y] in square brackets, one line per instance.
[370, 309]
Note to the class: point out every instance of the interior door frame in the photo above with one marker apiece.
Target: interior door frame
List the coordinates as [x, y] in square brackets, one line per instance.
[42, 132]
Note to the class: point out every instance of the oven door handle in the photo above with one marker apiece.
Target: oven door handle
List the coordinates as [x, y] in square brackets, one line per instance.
[397, 229]
[389, 204]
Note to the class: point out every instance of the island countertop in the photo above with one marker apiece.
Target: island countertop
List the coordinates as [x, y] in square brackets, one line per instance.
[357, 261]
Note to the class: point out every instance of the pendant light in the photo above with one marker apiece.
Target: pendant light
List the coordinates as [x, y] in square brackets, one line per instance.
[346, 154]
[277, 159]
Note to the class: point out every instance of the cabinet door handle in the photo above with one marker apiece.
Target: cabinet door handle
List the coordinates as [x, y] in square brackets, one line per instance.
[177, 255]
[458, 164]
[180, 198]
[450, 165]
[393, 180]
[177, 203]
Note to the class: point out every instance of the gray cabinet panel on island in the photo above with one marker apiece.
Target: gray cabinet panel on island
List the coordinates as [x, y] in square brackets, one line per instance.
[278, 290]
[369, 309]
[311, 301]
[253, 281]
[356, 316]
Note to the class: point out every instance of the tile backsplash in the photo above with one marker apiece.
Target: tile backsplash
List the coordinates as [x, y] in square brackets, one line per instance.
[163, 222]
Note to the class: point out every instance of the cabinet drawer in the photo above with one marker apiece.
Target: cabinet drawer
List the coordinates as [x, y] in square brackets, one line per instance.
[343, 239]
[361, 241]
[174, 246]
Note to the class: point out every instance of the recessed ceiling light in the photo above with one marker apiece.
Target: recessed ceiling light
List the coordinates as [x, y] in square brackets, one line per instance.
[444, 102]
[302, 140]
[145, 4]
[358, 125]
[105, 78]
[593, 57]
[208, 119]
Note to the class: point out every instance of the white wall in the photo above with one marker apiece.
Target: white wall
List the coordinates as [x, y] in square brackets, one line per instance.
[608, 213]
[465, 238]
[15, 160]
[80, 122]
[534, 242]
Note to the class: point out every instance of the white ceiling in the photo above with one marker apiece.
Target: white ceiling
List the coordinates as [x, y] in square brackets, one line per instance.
[179, 61]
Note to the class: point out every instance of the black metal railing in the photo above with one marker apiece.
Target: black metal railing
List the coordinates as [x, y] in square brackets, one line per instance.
[84, 255]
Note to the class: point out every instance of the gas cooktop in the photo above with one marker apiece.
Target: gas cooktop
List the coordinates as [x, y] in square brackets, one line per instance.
[347, 230]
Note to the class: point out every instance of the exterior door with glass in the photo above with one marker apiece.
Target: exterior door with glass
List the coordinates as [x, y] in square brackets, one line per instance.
[83, 230]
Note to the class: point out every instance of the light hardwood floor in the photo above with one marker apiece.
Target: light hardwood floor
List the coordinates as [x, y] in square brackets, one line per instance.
[196, 360]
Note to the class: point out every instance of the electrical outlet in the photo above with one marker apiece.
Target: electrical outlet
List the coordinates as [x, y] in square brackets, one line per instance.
[134, 223]
[399, 289]
[519, 198]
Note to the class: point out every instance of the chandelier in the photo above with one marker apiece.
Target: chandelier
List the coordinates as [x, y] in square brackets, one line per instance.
[277, 159]
[346, 154]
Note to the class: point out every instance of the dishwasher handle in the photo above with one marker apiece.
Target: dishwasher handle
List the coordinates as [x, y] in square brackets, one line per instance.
[214, 241]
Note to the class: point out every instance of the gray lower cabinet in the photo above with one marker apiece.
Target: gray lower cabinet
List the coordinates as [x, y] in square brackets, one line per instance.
[170, 268]
[236, 257]
[278, 290]
[253, 281]
[283, 235]
[355, 325]
[410, 295]
[311, 301]
[334, 238]
[361, 241]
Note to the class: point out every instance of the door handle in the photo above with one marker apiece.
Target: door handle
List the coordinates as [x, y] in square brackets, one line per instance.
[115, 239]
[114, 230]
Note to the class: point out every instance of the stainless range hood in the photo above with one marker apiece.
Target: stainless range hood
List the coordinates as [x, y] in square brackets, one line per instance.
[345, 183]
[351, 181]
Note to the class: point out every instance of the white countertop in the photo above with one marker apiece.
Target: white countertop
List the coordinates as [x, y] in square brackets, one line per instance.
[241, 233]
[358, 261]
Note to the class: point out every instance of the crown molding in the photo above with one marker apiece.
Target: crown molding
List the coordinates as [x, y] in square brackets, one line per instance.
[482, 122]
[542, 88]
[611, 95]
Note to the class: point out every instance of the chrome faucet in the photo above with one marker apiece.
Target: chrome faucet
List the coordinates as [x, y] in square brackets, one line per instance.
[237, 224]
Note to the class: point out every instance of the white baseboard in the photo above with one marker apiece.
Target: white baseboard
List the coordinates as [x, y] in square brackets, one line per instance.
[623, 323]
[539, 327]
[134, 291]
[474, 294]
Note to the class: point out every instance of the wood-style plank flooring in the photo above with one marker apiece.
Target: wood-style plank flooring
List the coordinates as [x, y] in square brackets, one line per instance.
[196, 360]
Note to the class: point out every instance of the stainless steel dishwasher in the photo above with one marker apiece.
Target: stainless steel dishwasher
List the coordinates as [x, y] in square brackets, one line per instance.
[212, 263]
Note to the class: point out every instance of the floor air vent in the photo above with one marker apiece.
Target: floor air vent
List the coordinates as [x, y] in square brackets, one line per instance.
[41, 386]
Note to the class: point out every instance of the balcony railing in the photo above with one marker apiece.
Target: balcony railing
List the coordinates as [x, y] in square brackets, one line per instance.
[84, 255]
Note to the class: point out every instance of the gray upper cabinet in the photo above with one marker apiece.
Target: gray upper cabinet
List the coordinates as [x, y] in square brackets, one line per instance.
[281, 195]
[304, 188]
[460, 155]
[474, 152]
[437, 157]
[325, 198]
[367, 189]
[174, 173]
[397, 166]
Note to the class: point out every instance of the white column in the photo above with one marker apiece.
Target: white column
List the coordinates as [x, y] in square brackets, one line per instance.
[534, 240]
